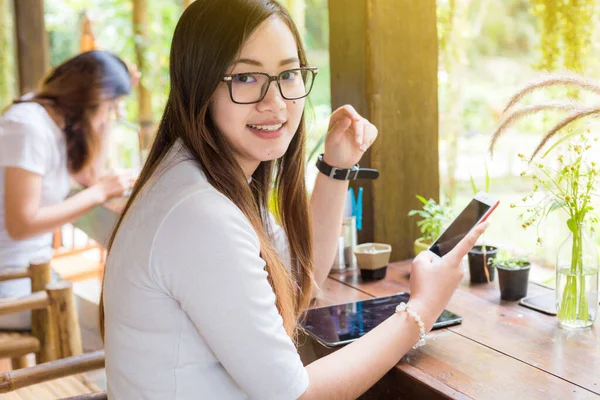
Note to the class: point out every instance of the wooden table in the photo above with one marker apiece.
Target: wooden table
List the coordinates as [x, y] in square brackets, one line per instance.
[500, 351]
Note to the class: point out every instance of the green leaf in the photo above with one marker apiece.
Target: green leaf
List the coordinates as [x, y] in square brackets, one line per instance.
[473, 185]
[555, 206]
[422, 199]
[572, 225]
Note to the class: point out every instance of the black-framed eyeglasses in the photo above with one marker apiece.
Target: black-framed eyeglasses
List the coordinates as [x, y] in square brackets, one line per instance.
[252, 87]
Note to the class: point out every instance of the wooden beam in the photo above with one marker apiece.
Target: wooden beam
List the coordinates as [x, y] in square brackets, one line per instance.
[32, 43]
[297, 9]
[384, 62]
[140, 28]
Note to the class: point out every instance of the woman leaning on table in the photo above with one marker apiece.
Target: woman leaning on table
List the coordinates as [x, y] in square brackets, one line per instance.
[47, 137]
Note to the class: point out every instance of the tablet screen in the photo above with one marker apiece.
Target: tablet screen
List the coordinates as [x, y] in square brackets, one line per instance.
[344, 323]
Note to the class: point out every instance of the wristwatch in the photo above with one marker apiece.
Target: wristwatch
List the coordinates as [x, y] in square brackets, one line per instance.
[344, 174]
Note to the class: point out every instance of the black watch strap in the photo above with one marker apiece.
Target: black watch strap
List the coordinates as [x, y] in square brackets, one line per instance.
[344, 174]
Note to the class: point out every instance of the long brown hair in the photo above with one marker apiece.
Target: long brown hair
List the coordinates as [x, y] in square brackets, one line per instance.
[208, 37]
[75, 89]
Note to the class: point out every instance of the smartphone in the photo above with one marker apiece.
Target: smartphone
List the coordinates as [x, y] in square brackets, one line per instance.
[337, 325]
[477, 211]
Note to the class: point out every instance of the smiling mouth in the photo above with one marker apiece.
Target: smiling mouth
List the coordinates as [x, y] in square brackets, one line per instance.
[267, 128]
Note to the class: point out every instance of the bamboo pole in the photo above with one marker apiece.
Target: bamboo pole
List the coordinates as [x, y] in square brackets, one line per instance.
[34, 301]
[40, 276]
[17, 344]
[6, 55]
[140, 24]
[14, 273]
[64, 314]
[90, 396]
[42, 323]
[19, 362]
[14, 380]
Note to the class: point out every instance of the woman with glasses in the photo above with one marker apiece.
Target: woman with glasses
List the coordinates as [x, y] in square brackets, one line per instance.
[45, 138]
[203, 290]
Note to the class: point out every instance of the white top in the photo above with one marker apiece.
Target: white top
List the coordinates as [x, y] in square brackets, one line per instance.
[29, 139]
[189, 311]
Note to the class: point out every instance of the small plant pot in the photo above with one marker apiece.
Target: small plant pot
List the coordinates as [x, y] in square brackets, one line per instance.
[476, 264]
[372, 259]
[513, 282]
[373, 274]
[421, 245]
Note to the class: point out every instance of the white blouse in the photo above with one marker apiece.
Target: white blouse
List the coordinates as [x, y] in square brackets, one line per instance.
[30, 140]
[189, 311]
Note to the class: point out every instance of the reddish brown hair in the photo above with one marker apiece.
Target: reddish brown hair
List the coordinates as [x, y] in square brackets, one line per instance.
[75, 89]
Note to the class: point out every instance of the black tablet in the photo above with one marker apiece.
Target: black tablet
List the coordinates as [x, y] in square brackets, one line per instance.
[341, 324]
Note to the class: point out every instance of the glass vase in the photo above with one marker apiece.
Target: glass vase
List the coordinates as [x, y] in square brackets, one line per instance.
[577, 280]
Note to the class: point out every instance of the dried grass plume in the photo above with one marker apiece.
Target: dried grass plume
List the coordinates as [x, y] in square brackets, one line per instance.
[578, 110]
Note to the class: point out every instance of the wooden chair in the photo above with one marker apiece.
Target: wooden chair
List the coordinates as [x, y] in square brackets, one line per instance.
[55, 329]
[55, 338]
[54, 379]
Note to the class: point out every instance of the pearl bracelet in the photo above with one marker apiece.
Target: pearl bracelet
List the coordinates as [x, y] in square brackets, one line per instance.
[404, 307]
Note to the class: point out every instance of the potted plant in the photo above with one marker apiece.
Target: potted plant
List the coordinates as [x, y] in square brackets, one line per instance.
[434, 217]
[481, 270]
[569, 183]
[513, 275]
[479, 256]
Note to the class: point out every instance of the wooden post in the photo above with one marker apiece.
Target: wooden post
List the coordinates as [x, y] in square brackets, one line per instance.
[42, 322]
[186, 3]
[19, 362]
[32, 43]
[6, 54]
[64, 313]
[297, 10]
[140, 28]
[384, 62]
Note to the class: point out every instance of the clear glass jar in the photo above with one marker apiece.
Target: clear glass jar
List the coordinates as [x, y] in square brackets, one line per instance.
[577, 280]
